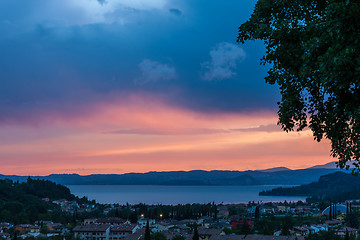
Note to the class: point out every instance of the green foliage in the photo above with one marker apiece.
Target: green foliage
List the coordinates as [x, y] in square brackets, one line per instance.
[133, 217]
[287, 223]
[158, 236]
[313, 48]
[269, 225]
[21, 202]
[245, 228]
[44, 229]
[227, 231]
[18, 205]
[352, 220]
[257, 213]
[46, 189]
[178, 237]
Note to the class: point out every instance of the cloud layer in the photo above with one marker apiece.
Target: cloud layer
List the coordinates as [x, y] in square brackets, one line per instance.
[152, 71]
[224, 59]
[62, 55]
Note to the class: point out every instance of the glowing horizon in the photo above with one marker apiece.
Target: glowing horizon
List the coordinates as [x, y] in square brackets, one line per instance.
[146, 134]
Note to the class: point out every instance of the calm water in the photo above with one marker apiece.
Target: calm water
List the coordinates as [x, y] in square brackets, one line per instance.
[175, 194]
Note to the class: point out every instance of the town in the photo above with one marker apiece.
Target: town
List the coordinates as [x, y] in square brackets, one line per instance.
[270, 220]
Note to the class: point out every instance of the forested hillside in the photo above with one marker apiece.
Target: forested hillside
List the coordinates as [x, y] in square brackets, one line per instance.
[22, 202]
[337, 186]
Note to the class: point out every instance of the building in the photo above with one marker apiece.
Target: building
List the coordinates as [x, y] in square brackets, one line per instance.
[142, 222]
[121, 231]
[93, 232]
[27, 228]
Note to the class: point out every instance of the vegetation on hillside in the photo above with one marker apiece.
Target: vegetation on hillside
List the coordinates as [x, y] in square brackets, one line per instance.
[29, 201]
[337, 186]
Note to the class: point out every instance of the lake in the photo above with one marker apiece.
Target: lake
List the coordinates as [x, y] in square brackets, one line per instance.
[173, 195]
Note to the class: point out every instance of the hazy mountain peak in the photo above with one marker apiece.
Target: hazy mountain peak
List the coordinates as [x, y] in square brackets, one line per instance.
[276, 169]
[330, 165]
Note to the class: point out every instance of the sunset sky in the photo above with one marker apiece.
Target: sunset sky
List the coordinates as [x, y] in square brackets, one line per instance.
[116, 86]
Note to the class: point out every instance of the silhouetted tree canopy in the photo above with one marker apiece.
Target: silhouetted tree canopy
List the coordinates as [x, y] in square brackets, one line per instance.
[313, 49]
[147, 231]
[195, 233]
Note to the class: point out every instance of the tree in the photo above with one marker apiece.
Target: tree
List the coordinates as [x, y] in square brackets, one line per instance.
[286, 224]
[352, 220]
[329, 235]
[147, 231]
[347, 236]
[178, 237]
[158, 236]
[245, 228]
[257, 213]
[133, 217]
[313, 48]
[44, 229]
[196, 233]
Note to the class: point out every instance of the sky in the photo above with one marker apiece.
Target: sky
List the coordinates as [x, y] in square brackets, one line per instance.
[116, 86]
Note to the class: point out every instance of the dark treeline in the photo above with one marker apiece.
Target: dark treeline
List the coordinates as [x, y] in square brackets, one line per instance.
[187, 211]
[337, 186]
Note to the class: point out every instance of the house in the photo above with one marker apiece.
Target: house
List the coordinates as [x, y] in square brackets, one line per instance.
[65, 205]
[180, 228]
[93, 232]
[342, 231]
[142, 222]
[110, 220]
[333, 223]
[220, 224]
[5, 225]
[223, 211]
[122, 230]
[206, 233]
[136, 236]
[251, 210]
[267, 210]
[301, 231]
[90, 221]
[42, 223]
[164, 226]
[318, 228]
[56, 228]
[283, 209]
[27, 228]
[5, 236]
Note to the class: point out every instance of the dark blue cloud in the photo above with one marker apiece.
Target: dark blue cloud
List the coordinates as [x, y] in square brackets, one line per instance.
[175, 11]
[102, 1]
[47, 63]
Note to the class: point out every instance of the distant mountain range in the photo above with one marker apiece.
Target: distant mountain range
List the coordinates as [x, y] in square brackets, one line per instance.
[273, 176]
